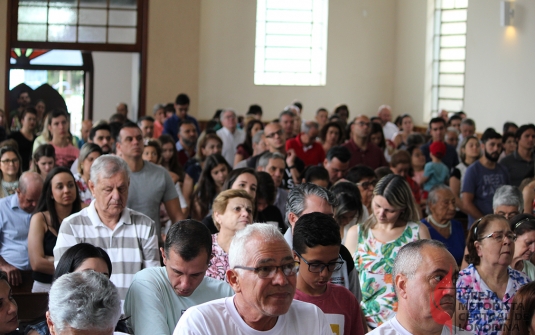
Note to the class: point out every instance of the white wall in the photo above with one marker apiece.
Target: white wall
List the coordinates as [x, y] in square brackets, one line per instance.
[360, 59]
[500, 66]
[115, 81]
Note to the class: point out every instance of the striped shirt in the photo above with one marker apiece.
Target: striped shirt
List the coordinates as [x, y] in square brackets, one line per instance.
[132, 245]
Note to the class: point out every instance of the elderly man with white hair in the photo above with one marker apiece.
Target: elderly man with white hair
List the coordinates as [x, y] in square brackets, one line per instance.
[385, 115]
[83, 303]
[263, 275]
[424, 279]
[128, 237]
[230, 134]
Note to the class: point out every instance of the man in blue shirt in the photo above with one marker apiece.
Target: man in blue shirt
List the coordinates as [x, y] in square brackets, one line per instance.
[172, 124]
[15, 213]
[483, 177]
[437, 130]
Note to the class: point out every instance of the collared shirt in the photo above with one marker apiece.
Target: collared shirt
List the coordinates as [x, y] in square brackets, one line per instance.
[172, 125]
[230, 142]
[132, 245]
[311, 155]
[14, 228]
[518, 167]
[183, 156]
[372, 156]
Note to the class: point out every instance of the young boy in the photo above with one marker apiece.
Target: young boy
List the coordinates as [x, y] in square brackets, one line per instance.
[435, 172]
[316, 243]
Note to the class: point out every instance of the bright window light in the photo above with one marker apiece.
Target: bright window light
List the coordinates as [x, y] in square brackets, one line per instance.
[291, 42]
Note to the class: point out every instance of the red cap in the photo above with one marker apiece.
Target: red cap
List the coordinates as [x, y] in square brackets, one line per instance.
[437, 149]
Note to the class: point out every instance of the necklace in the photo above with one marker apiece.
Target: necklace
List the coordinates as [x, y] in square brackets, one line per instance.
[439, 225]
[10, 186]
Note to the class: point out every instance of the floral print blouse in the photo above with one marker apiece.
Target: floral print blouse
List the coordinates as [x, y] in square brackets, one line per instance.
[219, 262]
[487, 313]
[374, 261]
[83, 189]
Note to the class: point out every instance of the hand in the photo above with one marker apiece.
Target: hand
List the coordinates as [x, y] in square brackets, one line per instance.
[290, 157]
[13, 274]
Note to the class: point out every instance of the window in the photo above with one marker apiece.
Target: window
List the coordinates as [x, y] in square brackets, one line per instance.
[291, 42]
[449, 55]
[77, 21]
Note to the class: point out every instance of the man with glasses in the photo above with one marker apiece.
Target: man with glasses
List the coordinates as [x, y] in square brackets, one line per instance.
[363, 151]
[158, 296]
[310, 198]
[263, 275]
[316, 243]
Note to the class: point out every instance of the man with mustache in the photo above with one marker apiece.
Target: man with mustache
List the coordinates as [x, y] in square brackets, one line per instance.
[424, 278]
[483, 177]
[127, 236]
[187, 142]
[263, 275]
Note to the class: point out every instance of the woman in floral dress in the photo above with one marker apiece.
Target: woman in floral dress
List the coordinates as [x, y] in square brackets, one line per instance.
[485, 289]
[375, 244]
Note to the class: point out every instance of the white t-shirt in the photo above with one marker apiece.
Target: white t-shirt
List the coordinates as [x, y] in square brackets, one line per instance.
[393, 327]
[221, 317]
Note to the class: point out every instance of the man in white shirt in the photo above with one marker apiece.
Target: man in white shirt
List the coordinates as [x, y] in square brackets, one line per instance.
[159, 296]
[263, 275]
[385, 115]
[423, 275]
[230, 135]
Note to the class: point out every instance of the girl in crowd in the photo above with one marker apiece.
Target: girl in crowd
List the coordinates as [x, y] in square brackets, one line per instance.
[245, 150]
[523, 225]
[400, 138]
[377, 137]
[417, 163]
[169, 158]
[233, 210]
[44, 160]
[88, 154]
[470, 152]
[59, 199]
[10, 171]
[509, 145]
[61, 138]
[349, 210]
[521, 318]
[365, 179]
[9, 321]
[213, 176]
[393, 223]
[332, 134]
[488, 280]
[210, 144]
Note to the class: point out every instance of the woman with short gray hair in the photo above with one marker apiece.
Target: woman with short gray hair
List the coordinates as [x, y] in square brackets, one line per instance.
[508, 201]
[442, 227]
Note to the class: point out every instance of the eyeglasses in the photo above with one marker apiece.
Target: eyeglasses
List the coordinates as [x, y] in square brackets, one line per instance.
[367, 184]
[278, 132]
[12, 161]
[499, 236]
[508, 215]
[318, 267]
[269, 271]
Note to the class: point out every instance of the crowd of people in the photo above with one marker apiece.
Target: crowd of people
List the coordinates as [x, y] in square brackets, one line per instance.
[376, 227]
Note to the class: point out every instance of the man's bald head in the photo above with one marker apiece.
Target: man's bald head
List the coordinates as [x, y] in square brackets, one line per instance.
[29, 191]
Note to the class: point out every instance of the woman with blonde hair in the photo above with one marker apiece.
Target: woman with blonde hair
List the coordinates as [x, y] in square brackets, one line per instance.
[375, 244]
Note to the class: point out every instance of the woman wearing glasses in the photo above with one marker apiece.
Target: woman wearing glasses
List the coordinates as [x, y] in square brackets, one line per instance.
[10, 171]
[375, 244]
[523, 226]
[486, 287]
